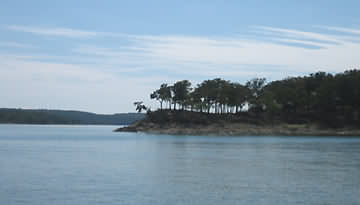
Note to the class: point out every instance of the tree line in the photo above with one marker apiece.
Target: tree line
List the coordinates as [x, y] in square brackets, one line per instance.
[43, 116]
[326, 97]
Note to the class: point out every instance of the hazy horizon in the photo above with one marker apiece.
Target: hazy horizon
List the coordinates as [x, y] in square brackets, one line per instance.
[87, 111]
[102, 56]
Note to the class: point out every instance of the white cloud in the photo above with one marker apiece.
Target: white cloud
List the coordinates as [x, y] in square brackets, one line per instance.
[341, 29]
[100, 76]
[336, 55]
[213, 56]
[301, 42]
[36, 84]
[15, 44]
[62, 32]
[288, 49]
[296, 34]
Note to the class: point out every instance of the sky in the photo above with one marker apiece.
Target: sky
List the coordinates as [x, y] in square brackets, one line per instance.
[101, 56]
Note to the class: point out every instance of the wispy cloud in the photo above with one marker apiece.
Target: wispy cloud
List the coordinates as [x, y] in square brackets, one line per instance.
[142, 62]
[221, 56]
[301, 43]
[27, 82]
[63, 32]
[15, 45]
[300, 35]
[288, 50]
[341, 29]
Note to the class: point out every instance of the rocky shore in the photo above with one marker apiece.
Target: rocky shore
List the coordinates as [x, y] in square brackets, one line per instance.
[192, 123]
[237, 129]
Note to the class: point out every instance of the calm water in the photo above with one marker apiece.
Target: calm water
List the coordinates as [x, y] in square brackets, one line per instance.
[92, 165]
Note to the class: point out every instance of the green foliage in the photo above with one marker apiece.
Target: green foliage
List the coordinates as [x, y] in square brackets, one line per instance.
[140, 106]
[333, 100]
[215, 95]
[162, 95]
[256, 88]
[181, 91]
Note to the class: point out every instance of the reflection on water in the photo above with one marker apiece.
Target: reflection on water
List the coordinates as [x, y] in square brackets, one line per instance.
[92, 165]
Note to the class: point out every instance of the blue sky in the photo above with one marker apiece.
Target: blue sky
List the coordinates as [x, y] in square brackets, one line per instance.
[101, 56]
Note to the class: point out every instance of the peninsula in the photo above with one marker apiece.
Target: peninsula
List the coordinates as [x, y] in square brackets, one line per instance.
[318, 104]
[191, 123]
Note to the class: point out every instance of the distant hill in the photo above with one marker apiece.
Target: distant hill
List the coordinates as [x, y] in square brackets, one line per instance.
[42, 116]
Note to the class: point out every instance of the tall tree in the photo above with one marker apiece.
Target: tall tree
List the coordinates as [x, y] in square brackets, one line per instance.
[163, 94]
[256, 87]
[181, 90]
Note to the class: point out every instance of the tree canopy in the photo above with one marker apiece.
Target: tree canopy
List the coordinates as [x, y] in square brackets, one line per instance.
[333, 99]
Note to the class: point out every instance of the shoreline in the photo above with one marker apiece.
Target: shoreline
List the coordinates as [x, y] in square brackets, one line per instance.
[237, 129]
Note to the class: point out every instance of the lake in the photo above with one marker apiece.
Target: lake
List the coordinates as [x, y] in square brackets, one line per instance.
[48, 164]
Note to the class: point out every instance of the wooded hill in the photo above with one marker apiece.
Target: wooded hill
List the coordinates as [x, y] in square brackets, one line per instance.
[329, 99]
[29, 116]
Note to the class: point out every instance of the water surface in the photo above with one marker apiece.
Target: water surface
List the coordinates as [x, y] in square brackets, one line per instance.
[92, 165]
